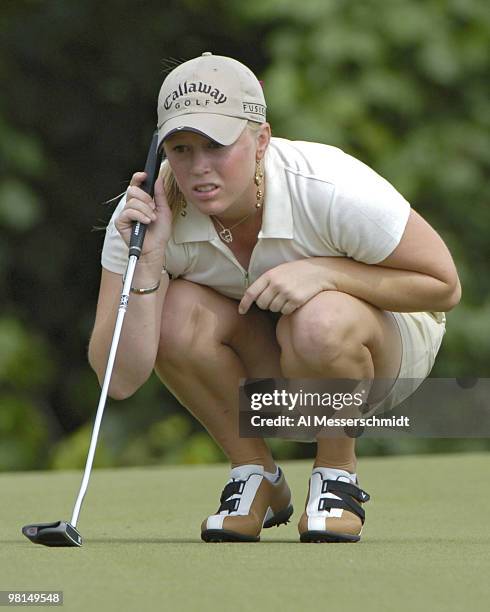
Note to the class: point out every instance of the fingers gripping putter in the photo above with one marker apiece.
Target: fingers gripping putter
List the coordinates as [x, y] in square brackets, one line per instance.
[62, 533]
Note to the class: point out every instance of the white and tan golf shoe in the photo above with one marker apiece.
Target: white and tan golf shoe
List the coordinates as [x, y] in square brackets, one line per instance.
[333, 511]
[248, 502]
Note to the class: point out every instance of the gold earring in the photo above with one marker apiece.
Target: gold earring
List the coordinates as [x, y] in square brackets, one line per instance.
[183, 205]
[259, 175]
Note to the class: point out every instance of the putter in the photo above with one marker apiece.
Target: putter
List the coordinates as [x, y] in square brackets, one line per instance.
[62, 533]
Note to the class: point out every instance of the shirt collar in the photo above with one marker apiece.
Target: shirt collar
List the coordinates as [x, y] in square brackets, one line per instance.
[193, 227]
[277, 219]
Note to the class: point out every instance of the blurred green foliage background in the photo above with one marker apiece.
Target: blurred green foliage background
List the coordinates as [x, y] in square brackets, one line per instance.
[402, 85]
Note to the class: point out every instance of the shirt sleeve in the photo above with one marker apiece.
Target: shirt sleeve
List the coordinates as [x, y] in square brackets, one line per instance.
[367, 216]
[115, 251]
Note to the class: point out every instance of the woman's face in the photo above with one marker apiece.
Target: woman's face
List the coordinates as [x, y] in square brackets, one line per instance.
[216, 178]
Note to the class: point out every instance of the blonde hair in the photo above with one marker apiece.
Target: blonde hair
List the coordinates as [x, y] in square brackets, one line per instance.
[175, 197]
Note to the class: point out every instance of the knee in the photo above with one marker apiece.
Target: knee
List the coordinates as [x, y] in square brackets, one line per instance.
[317, 334]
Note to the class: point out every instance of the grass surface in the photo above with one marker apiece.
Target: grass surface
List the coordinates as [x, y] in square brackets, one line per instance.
[426, 544]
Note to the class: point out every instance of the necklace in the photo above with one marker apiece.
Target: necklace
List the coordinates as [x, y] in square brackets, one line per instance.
[225, 233]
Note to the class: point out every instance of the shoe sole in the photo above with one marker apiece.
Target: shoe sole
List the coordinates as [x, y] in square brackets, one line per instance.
[281, 518]
[224, 535]
[328, 536]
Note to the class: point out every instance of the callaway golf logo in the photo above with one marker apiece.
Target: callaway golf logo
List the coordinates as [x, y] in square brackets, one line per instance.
[186, 88]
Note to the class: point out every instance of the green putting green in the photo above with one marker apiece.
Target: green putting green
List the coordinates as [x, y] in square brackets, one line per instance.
[426, 544]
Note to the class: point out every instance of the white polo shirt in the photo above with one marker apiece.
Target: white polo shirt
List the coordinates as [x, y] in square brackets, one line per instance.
[319, 202]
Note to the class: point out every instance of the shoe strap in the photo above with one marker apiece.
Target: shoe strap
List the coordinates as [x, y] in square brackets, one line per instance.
[232, 488]
[241, 476]
[338, 486]
[346, 492]
[231, 505]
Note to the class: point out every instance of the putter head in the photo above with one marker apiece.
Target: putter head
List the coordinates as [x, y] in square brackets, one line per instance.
[53, 534]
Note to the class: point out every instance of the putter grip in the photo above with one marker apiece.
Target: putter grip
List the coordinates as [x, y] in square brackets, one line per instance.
[152, 168]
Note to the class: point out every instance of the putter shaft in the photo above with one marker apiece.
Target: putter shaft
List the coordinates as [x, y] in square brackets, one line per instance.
[123, 305]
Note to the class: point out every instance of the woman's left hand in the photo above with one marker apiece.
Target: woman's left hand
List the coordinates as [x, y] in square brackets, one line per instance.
[289, 285]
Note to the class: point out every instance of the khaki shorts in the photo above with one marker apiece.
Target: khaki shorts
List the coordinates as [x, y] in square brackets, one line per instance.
[421, 335]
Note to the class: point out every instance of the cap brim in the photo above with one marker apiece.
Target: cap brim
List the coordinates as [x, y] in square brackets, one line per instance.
[222, 129]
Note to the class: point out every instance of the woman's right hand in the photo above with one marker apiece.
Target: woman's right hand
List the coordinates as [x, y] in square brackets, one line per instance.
[154, 212]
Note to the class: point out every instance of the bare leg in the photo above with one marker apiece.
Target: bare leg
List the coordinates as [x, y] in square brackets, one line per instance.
[205, 348]
[335, 335]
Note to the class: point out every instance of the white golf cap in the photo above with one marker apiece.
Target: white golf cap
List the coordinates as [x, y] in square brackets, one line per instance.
[212, 95]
